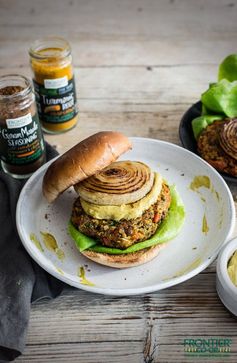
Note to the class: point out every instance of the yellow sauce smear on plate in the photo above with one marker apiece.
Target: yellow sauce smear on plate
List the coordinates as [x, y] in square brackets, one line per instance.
[37, 243]
[205, 227]
[59, 270]
[203, 181]
[200, 181]
[52, 245]
[82, 275]
[186, 269]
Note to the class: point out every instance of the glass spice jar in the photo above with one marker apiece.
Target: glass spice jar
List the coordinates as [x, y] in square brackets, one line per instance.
[51, 63]
[22, 149]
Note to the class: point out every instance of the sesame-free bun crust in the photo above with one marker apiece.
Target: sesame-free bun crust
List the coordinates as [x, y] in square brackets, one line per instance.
[83, 160]
[126, 260]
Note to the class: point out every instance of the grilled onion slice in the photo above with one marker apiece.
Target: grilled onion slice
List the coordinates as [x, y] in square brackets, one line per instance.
[122, 182]
[125, 211]
[228, 138]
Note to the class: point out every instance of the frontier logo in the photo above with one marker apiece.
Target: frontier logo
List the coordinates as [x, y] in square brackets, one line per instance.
[207, 347]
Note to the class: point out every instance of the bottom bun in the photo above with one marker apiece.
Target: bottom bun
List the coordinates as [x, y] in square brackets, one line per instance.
[126, 260]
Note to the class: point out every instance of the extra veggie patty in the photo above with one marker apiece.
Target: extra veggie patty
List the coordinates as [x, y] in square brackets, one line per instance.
[209, 148]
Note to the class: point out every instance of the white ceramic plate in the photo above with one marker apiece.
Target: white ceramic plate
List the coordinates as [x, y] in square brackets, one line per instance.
[185, 256]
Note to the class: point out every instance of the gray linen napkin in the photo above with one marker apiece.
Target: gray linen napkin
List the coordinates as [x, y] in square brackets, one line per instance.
[22, 281]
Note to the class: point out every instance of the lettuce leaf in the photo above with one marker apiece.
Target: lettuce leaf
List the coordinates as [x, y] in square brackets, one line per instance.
[228, 68]
[201, 122]
[82, 241]
[168, 229]
[221, 98]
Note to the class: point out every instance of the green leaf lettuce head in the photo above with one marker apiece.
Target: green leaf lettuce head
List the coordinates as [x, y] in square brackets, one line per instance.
[220, 100]
[228, 68]
[221, 97]
[167, 230]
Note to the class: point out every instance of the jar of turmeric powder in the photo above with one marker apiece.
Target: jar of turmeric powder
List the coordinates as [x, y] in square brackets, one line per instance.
[54, 85]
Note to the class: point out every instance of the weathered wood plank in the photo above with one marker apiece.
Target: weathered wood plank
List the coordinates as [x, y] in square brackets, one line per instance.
[123, 325]
[115, 352]
[163, 53]
[135, 88]
[78, 353]
[160, 125]
[134, 19]
[128, 33]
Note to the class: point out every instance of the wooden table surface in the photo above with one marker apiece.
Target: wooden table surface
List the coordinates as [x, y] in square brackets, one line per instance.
[139, 65]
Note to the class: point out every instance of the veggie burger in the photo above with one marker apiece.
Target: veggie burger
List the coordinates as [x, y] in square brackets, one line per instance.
[125, 212]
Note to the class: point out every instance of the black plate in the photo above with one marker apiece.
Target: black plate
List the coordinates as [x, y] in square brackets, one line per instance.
[186, 134]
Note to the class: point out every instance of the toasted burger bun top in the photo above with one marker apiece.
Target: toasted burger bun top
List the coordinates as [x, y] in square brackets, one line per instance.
[83, 160]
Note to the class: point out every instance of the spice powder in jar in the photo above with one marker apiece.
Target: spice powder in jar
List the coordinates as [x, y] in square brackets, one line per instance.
[51, 62]
[22, 149]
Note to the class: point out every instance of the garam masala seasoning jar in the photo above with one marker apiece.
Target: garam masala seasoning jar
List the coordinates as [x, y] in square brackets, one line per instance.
[22, 149]
[51, 62]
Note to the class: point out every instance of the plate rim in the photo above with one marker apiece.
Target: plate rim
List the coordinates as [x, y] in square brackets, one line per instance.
[129, 291]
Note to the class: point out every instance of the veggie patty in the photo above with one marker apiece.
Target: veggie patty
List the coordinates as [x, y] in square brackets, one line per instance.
[124, 233]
